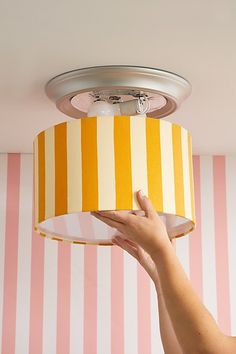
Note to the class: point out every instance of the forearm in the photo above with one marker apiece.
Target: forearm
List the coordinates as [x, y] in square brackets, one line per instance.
[168, 336]
[194, 327]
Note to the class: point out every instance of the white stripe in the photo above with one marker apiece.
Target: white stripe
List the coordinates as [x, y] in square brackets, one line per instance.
[74, 166]
[49, 174]
[104, 300]
[130, 305]
[77, 300]
[3, 198]
[156, 343]
[50, 296]
[167, 167]
[24, 254]
[186, 174]
[231, 219]
[138, 156]
[182, 252]
[208, 235]
[106, 163]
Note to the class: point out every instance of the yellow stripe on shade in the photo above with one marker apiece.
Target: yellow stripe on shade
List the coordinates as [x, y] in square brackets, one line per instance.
[35, 144]
[49, 173]
[178, 169]
[74, 166]
[41, 177]
[185, 156]
[60, 169]
[154, 163]
[89, 164]
[191, 176]
[123, 174]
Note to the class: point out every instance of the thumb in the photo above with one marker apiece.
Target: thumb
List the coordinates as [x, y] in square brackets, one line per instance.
[145, 204]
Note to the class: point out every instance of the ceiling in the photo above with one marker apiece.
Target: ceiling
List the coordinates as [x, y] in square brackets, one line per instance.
[195, 39]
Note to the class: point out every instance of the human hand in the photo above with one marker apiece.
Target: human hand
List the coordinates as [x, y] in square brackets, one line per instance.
[148, 231]
[138, 253]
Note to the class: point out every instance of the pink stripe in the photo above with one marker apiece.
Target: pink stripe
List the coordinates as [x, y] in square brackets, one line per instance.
[117, 300]
[11, 253]
[90, 286]
[36, 292]
[144, 311]
[90, 299]
[195, 240]
[221, 244]
[63, 298]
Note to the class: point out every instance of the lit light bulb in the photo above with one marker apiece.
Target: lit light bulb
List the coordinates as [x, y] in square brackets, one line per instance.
[103, 108]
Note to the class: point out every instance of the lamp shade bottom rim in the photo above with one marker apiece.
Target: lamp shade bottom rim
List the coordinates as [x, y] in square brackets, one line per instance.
[84, 228]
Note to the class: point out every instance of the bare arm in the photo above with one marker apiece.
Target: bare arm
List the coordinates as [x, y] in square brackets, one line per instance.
[168, 336]
[196, 330]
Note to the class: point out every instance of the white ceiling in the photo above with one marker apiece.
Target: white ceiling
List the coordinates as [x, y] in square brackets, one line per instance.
[195, 39]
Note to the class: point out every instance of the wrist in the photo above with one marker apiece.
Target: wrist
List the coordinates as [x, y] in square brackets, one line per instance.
[161, 250]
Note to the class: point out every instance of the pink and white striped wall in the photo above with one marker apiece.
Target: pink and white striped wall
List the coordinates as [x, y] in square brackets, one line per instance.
[72, 299]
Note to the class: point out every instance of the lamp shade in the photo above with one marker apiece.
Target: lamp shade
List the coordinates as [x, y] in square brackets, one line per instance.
[98, 163]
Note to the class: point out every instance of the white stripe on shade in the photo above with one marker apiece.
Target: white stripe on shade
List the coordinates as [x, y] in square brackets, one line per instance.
[49, 173]
[182, 252]
[231, 220]
[156, 343]
[138, 156]
[74, 177]
[167, 167]
[130, 305]
[50, 296]
[24, 255]
[186, 173]
[3, 198]
[106, 163]
[77, 300]
[208, 235]
[103, 300]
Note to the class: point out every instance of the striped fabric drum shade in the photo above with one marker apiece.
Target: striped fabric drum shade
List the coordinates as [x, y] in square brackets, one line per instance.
[98, 163]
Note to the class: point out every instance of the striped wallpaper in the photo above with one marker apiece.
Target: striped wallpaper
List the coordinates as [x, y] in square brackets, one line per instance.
[67, 299]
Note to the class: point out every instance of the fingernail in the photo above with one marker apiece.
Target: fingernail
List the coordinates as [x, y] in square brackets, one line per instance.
[141, 193]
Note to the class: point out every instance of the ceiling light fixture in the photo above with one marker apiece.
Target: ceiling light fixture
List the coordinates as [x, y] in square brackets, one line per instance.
[116, 146]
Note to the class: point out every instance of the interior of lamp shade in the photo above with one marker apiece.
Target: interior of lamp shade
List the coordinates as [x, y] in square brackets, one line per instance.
[83, 227]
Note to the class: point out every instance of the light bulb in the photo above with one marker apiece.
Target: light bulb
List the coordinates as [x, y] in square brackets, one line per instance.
[103, 108]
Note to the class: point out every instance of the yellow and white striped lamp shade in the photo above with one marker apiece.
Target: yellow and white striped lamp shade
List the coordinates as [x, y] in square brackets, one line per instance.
[99, 163]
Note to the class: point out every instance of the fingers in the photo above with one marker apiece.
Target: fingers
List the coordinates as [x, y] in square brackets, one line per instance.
[132, 243]
[108, 221]
[126, 246]
[145, 204]
[124, 217]
[120, 216]
[126, 241]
